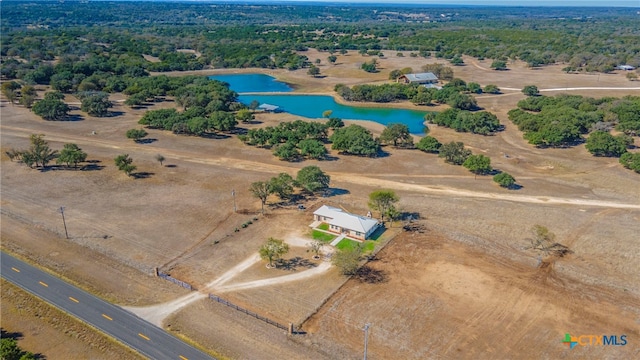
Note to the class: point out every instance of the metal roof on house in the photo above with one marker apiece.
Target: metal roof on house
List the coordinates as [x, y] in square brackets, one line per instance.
[626, 67]
[268, 107]
[346, 220]
[421, 77]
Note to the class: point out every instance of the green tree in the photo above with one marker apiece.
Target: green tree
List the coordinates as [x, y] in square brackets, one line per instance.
[454, 153]
[370, 66]
[315, 247]
[505, 180]
[136, 134]
[287, 151]
[601, 143]
[27, 100]
[124, 163]
[273, 249]
[530, 90]
[382, 201]
[39, 153]
[422, 98]
[478, 164]
[332, 59]
[254, 104]
[160, 159]
[244, 115]
[222, 121]
[628, 160]
[335, 123]
[9, 349]
[457, 61]
[71, 154]
[491, 89]
[347, 260]
[95, 103]
[51, 109]
[282, 185]
[356, 140]
[475, 88]
[312, 179]
[312, 149]
[313, 71]
[429, 144]
[395, 74]
[499, 65]
[261, 190]
[398, 134]
[10, 90]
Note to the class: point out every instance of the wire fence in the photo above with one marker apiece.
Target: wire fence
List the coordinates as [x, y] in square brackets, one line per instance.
[250, 313]
[175, 281]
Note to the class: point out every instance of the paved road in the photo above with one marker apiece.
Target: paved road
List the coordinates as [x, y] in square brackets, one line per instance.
[138, 334]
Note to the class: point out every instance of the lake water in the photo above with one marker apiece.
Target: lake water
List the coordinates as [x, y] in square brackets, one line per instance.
[242, 83]
[312, 106]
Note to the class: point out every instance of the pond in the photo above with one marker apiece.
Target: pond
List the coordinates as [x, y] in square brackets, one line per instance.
[312, 106]
[242, 83]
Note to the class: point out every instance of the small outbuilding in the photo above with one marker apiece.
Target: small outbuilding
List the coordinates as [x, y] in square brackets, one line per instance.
[420, 78]
[342, 222]
[626, 67]
[269, 108]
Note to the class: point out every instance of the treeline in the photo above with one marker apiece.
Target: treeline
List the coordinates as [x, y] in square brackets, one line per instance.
[292, 141]
[564, 119]
[456, 93]
[88, 39]
[481, 122]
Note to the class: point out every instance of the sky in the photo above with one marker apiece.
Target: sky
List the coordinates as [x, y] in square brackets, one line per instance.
[579, 3]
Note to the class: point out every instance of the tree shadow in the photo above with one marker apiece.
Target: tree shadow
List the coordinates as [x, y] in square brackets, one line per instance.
[239, 130]
[381, 154]
[515, 187]
[73, 117]
[410, 215]
[142, 175]
[114, 113]
[335, 192]
[91, 167]
[252, 122]
[146, 141]
[295, 263]
[171, 166]
[368, 275]
[329, 158]
[214, 136]
[10, 334]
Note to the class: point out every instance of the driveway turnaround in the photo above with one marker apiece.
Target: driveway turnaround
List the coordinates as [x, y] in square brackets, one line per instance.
[149, 340]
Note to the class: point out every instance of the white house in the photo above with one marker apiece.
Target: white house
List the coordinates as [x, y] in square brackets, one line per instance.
[342, 222]
[421, 78]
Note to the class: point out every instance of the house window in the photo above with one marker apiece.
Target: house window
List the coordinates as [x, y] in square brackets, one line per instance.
[358, 233]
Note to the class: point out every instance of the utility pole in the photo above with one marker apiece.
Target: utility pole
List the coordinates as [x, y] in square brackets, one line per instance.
[233, 193]
[66, 234]
[366, 338]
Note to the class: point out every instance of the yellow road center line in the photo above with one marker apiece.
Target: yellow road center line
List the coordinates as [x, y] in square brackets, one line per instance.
[74, 300]
[43, 284]
[143, 336]
[107, 317]
[14, 269]
[182, 357]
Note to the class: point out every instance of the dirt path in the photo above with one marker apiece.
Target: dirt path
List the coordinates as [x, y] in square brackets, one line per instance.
[352, 178]
[156, 314]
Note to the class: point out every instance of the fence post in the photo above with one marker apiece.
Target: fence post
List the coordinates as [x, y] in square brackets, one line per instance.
[155, 271]
[290, 328]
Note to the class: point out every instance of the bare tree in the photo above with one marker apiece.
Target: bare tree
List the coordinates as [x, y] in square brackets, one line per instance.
[544, 241]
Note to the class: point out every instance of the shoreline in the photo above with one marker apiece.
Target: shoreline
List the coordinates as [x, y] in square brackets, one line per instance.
[299, 89]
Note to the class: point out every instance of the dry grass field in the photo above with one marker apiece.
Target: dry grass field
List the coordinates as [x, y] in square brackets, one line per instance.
[465, 287]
